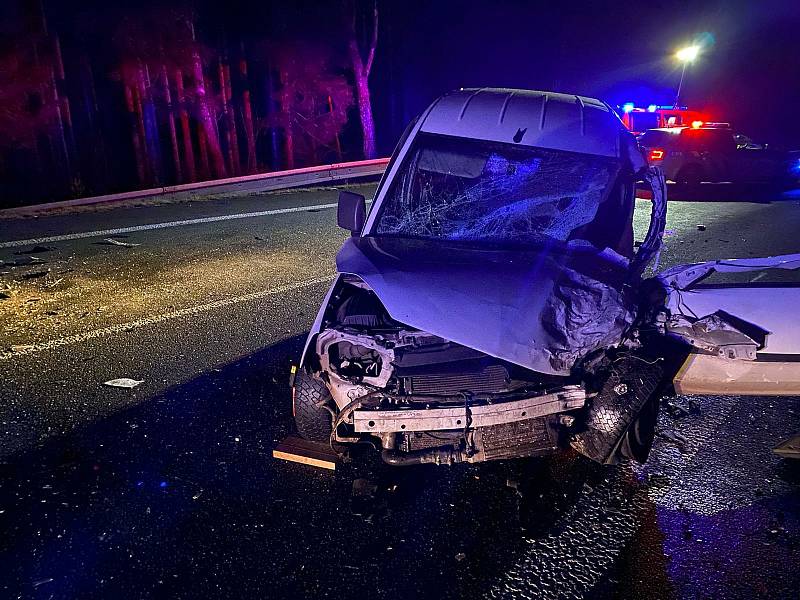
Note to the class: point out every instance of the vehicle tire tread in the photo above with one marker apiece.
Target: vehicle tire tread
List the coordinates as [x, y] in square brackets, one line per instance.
[610, 413]
[312, 420]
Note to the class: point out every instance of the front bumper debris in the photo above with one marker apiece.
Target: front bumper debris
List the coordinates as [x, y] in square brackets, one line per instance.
[455, 417]
[789, 449]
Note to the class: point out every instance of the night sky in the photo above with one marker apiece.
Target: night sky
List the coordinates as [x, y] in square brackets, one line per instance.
[747, 73]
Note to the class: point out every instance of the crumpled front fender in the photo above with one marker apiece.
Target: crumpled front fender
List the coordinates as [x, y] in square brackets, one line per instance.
[651, 246]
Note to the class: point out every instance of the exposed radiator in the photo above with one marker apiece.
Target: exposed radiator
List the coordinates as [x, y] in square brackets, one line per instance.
[523, 438]
[493, 378]
[531, 437]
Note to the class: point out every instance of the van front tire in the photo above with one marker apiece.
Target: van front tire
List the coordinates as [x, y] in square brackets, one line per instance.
[313, 421]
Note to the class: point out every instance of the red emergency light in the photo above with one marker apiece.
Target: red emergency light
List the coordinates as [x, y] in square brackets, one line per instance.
[639, 119]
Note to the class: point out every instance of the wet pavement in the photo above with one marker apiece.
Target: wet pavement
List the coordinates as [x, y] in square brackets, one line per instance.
[169, 490]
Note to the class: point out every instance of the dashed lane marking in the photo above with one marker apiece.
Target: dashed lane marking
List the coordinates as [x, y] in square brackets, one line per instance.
[25, 350]
[120, 230]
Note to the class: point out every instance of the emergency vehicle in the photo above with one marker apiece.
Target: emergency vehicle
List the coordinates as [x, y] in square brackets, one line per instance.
[713, 152]
[638, 119]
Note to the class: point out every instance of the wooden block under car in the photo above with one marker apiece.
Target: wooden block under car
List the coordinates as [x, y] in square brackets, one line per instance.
[316, 454]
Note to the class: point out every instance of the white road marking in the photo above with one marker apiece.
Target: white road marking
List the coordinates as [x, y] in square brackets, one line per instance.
[25, 350]
[120, 230]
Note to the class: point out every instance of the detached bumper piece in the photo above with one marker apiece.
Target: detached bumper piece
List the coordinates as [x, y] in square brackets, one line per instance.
[704, 374]
[477, 433]
[789, 449]
[440, 419]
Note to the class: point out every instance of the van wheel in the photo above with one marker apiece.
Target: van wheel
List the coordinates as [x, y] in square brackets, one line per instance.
[620, 420]
[638, 440]
[690, 176]
[314, 422]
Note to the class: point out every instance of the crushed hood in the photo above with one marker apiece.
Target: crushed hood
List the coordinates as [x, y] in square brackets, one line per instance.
[542, 309]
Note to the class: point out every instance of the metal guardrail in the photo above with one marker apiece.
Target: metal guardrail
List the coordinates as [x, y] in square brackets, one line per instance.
[261, 182]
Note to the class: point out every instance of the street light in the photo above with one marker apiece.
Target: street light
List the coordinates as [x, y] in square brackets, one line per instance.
[685, 55]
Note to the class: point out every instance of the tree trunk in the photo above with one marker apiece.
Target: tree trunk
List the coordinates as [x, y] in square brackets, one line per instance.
[186, 132]
[338, 142]
[152, 138]
[62, 136]
[234, 137]
[247, 117]
[207, 121]
[202, 144]
[226, 115]
[275, 162]
[135, 141]
[364, 106]
[173, 136]
[286, 109]
[361, 70]
[139, 112]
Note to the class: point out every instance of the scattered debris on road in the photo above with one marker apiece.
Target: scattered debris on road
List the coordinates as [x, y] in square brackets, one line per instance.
[20, 347]
[35, 274]
[789, 449]
[364, 488]
[676, 438]
[123, 382]
[35, 250]
[514, 485]
[113, 242]
[675, 410]
[23, 261]
[39, 582]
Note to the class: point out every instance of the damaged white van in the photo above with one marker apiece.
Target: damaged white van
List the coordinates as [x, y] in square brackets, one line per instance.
[491, 304]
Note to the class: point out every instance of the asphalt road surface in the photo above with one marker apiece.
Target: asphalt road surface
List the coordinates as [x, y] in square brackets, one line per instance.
[170, 490]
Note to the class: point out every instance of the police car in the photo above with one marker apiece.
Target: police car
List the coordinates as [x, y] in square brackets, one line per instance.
[704, 152]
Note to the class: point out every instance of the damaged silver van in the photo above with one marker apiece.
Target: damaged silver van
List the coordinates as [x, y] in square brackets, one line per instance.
[492, 304]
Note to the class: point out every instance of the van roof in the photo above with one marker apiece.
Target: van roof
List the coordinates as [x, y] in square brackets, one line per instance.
[529, 118]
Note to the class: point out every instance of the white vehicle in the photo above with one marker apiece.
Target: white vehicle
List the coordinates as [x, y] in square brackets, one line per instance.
[491, 304]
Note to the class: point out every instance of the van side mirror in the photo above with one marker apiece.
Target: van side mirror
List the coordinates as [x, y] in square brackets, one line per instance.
[351, 212]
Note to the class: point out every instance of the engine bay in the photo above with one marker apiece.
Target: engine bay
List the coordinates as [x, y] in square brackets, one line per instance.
[421, 398]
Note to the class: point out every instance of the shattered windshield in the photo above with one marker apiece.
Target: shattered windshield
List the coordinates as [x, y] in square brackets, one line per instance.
[471, 190]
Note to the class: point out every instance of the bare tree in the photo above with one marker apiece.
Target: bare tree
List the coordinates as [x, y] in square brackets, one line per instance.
[315, 98]
[361, 60]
